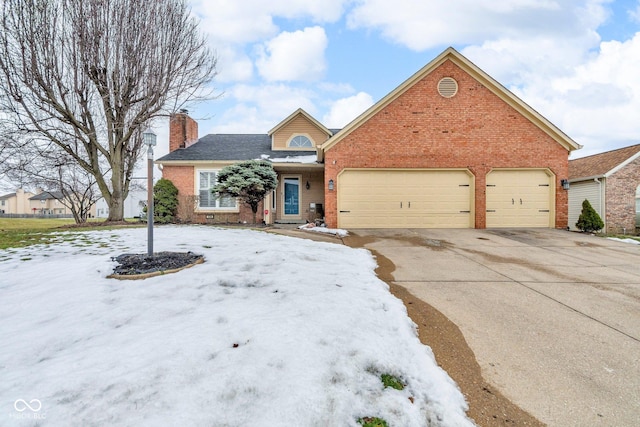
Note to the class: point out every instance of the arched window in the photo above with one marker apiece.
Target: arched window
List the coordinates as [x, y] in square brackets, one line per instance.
[300, 141]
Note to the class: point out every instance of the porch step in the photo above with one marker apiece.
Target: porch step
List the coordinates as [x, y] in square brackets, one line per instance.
[290, 221]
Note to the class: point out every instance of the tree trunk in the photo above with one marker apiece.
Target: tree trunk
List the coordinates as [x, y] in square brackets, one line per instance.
[116, 209]
[254, 209]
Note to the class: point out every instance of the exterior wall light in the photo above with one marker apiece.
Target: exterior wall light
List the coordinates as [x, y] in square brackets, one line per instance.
[308, 186]
[565, 184]
[331, 185]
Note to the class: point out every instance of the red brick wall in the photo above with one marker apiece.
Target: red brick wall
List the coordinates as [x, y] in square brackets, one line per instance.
[183, 131]
[474, 129]
[621, 199]
[183, 178]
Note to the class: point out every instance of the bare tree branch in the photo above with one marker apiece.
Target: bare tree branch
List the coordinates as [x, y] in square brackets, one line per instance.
[90, 76]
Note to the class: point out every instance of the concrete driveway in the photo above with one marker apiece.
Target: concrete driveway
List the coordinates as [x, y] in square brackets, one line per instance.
[552, 316]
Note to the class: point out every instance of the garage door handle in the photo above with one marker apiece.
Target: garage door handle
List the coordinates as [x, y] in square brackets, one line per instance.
[400, 205]
[409, 205]
[520, 201]
[345, 211]
[513, 202]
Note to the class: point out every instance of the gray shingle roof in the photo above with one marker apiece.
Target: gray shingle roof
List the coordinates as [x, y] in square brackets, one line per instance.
[7, 196]
[47, 195]
[230, 147]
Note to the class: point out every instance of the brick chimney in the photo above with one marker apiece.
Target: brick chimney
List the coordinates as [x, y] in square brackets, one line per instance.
[183, 130]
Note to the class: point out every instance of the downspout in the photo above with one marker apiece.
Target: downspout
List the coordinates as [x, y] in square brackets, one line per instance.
[602, 203]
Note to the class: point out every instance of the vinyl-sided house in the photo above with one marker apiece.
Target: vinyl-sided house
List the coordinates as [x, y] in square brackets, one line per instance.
[610, 182]
[448, 148]
[15, 203]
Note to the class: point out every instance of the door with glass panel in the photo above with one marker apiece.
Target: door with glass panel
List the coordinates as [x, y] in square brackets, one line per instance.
[291, 196]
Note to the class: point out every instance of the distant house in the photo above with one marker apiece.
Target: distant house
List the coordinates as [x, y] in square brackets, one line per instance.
[448, 148]
[48, 203]
[133, 205]
[15, 203]
[610, 182]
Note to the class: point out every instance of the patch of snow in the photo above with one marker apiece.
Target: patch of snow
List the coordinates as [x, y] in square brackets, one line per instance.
[632, 241]
[335, 231]
[313, 158]
[270, 330]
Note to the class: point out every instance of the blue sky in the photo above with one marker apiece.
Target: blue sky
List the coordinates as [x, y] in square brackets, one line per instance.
[575, 61]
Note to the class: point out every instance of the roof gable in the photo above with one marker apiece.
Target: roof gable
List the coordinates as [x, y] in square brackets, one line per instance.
[300, 112]
[450, 54]
[603, 164]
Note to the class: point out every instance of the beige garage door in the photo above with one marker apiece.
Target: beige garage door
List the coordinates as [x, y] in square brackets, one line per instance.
[520, 198]
[400, 198]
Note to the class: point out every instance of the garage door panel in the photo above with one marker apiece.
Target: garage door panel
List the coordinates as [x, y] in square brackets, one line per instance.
[519, 198]
[404, 198]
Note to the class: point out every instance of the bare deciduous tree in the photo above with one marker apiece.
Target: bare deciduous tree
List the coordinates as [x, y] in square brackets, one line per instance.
[45, 165]
[91, 75]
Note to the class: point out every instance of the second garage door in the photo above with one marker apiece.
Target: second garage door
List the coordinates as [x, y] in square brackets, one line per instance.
[402, 198]
[520, 198]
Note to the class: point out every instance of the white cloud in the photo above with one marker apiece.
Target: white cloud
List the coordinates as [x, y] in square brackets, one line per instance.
[233, 65]
[345, 110]
[294, 56]
[421, 25]
[598, 104]
[248, 21]
[259, 108]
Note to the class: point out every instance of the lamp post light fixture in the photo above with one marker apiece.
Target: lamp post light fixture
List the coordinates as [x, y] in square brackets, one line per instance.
[149, 139]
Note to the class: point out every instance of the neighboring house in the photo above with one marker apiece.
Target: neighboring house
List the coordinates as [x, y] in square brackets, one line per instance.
[15, 203]
[133, 205]
[52, 203]
[448, 148]
[48, 203]
[610, 182]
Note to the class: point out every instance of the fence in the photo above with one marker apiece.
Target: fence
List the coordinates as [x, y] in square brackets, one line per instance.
[50, 216]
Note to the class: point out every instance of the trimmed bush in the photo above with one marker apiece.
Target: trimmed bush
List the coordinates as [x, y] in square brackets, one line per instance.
[589, 219]
[165, 201]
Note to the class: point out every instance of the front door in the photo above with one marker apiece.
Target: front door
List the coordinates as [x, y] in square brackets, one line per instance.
[292, 196]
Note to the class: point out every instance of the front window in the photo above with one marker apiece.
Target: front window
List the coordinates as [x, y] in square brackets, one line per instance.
[209, 200]
[300, 141]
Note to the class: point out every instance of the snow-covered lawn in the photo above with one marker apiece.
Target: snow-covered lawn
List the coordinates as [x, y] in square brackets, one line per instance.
[269, 331]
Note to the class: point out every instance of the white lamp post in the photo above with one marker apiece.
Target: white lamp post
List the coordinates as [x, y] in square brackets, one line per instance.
[149, 139]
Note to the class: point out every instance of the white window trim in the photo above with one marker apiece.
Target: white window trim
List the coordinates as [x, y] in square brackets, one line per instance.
[306, 135]
[234, 209]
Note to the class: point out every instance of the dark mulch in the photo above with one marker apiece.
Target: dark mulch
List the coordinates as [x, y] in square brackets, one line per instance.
[133, 264]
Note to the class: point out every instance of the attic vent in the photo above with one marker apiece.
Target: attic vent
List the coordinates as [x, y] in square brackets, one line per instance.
[447, 87]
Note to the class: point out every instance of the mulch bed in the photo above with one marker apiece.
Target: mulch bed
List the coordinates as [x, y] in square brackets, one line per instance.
[142, 266]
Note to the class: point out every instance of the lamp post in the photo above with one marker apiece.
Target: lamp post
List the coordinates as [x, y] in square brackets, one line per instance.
[149, 139]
